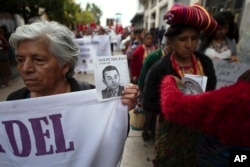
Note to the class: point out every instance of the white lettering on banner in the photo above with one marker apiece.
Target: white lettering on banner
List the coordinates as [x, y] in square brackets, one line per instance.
[69, 129]
[227, 73]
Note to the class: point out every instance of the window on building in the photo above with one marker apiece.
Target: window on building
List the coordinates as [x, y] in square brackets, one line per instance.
[185, 2]
[238, 4]
[153, 3]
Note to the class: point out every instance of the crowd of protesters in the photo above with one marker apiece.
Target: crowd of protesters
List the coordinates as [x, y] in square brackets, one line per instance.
[158, 57]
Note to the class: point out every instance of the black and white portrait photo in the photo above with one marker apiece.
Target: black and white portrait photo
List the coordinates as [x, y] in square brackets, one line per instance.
[111, 78]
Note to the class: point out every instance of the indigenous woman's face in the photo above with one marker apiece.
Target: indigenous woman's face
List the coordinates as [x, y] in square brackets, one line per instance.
[38, 67]
[148, 40]
[184, 44]
[221, 31]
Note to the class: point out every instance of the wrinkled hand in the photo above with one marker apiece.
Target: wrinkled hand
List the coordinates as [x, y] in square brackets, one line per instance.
[129, 95]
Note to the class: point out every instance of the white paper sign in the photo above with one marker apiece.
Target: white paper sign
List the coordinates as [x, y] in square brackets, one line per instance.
[227, 73]
[91, 47]
[111, 76]
[199, 79]
[103, 48]
[66, 130]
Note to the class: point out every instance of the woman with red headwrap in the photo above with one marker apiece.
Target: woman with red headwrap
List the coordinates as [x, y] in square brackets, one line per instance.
[175, 144]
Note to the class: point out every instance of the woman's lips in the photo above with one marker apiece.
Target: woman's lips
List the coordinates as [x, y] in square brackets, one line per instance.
[30, 81]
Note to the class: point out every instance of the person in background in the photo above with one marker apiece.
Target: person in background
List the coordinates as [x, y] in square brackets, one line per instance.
[78, 33]
[113, 40]
[111, 78]
[160, 36]
[154, 32]
[87, 31]
[219, 45]
[226, 119]
[5, 69]
[233, 32]
[46, 56]
[176, 144]
[119, 40]
[139, 55]
[126, 40]
[149, 126]
[101, 31]
[136, 39]
[11, 52]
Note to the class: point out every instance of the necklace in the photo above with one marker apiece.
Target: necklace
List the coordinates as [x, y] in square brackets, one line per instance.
[148, 50]
[177, 67]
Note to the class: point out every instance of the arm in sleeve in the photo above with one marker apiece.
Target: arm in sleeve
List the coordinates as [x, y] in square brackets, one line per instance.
[222, 113]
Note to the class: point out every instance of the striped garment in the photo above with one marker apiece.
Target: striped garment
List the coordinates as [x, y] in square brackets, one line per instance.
[195, 15]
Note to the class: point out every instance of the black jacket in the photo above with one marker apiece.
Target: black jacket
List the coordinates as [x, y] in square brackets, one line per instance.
[75, 85]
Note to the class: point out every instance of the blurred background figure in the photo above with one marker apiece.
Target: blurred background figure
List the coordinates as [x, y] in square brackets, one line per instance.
[221, 44]
[139, 55]
[5, 69]
[101, 31]
[160, 36]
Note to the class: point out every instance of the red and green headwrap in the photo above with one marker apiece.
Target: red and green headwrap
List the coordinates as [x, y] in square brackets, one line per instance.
[195, 15]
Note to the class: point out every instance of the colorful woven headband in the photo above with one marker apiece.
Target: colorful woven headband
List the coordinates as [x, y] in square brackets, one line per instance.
[195, 15]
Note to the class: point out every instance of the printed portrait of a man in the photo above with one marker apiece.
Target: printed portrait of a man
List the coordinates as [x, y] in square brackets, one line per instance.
[111, 78]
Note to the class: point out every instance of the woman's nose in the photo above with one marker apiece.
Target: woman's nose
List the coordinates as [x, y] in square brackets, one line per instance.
[28, 66]
[189, 43]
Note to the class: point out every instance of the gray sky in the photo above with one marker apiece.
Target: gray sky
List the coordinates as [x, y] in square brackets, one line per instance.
[127, 8]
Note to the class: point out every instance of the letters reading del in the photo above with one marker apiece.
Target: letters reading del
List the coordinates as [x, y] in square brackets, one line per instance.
[43, 129]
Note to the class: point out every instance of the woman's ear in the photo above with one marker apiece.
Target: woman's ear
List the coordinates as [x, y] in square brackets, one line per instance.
[65, 68]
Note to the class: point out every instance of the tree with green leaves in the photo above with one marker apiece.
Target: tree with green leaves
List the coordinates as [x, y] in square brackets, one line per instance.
[95, 10]
[64, 11]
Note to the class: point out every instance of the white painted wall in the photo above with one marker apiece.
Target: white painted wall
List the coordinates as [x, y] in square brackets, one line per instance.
[243, 45]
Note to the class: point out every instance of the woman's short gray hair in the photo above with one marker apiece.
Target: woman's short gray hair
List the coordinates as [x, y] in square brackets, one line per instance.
[60, 40]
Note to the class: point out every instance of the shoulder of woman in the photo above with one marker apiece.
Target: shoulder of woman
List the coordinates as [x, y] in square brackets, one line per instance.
[18, 94]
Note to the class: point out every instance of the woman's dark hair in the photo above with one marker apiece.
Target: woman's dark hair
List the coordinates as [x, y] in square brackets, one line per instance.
[147, 34]
[233, 32]
[177, 29]
[222, 19]
[138, 31]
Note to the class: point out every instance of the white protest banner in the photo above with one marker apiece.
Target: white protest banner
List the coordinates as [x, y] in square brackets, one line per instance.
[227, 73]
[103, 48]
[91, 47]
[66, 130]
[87, 52]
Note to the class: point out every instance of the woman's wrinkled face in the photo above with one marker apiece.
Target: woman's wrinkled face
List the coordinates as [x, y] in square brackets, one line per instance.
[38, 67]
[184, 44]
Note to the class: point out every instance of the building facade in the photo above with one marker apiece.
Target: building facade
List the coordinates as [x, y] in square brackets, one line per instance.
[152, 11]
